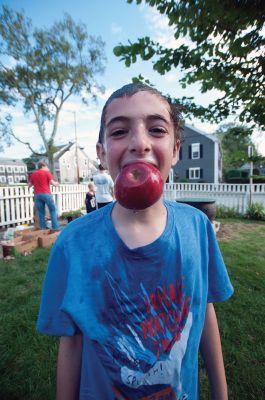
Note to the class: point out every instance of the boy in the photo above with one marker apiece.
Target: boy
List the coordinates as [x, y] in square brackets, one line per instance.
[91, 198]
[104, 185]
[133, 307]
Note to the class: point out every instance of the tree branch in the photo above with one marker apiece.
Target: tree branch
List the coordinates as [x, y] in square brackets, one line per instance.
[27, 144]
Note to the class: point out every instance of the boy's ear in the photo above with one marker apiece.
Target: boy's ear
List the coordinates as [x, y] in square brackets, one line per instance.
[101, 153]
[175, 153]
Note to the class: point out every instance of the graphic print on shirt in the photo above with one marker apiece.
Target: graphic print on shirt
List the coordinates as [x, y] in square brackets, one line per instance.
[149, 336]
[93, 202]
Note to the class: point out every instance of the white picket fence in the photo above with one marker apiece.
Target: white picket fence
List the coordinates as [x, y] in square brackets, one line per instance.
[17, 202]
[237, 196]
[17, 205]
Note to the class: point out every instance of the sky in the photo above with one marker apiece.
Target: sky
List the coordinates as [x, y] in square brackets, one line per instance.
[116, 22]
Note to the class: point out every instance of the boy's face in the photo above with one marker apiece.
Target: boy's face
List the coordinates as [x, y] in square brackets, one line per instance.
[138, 128]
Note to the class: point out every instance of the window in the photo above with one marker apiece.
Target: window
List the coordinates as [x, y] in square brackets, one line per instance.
[10, 179]
[23, 178]
[17, 178]
[2, 168]
[3, 179]
[9, 169]
[16, 169]
[195, 151]
[22, 169]
[180, 154]
[195, 173]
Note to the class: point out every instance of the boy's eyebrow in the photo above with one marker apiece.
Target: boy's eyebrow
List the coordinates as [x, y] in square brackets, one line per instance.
[158, 116]
[121, 118]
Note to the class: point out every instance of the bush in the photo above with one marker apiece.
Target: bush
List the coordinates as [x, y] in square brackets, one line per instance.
[72, 213]
[227, 212]
[256, 211]
[258, 179]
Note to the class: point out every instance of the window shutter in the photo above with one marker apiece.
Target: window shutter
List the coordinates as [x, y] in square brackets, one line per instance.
[187, 173]
[201, 173]
[189, 151]
[201, 151]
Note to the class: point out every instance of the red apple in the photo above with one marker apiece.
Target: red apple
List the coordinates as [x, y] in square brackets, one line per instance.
[138, 186]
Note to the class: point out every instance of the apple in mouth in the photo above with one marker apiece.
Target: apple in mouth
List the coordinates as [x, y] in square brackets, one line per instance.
[138, 186]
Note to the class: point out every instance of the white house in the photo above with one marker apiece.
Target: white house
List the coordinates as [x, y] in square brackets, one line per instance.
[12, 171]
[71, 160]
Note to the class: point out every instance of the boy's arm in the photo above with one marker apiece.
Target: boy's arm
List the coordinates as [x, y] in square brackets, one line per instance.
[54, 183]
[211, 351]
[68, 367]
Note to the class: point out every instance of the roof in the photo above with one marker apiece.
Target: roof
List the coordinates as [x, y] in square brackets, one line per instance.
[11, 161]
[67, 147]
[210, 136]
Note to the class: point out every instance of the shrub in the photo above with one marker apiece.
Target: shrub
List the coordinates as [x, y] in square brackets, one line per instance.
[227, 212]
[72, 213]
[256, 211]
[258, 179]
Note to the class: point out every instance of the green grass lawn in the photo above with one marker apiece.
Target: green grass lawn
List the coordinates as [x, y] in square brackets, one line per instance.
[28, 359]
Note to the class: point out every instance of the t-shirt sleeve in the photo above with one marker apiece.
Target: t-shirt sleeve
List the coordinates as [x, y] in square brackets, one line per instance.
[52, 320]
[50, 177]
[219, 284]
[111, 183]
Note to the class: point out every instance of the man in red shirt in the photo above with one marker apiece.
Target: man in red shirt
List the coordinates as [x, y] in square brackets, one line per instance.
[41, 181]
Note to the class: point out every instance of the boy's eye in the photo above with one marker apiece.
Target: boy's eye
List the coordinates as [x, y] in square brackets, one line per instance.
[157, 131]
[118, 132]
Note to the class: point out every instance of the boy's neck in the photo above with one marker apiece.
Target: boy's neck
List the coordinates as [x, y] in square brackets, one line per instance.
[139, 228]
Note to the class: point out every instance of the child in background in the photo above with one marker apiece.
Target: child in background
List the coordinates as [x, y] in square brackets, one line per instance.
[90, 200]
[131, 293]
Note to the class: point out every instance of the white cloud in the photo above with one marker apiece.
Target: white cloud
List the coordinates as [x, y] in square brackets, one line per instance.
[170, 77]
[160, 30]
[16, 113]
[115, 28]
[26, 131]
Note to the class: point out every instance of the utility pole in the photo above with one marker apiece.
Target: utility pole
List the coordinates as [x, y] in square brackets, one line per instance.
[250, 155]
[76, 151]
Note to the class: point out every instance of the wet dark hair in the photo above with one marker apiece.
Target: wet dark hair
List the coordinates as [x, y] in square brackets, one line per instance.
[41, 164]
[128, 91]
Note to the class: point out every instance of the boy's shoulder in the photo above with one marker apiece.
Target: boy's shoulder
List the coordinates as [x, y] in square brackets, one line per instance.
[186, 210]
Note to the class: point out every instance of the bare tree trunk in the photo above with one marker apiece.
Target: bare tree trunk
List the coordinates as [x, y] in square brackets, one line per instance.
[52, 165]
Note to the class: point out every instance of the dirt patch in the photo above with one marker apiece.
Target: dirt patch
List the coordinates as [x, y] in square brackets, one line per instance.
[229, 231]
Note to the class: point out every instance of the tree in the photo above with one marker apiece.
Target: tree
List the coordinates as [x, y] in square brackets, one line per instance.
[31, 162]
[235, 140]
[226, 53]
[5, 130]
[41, 68]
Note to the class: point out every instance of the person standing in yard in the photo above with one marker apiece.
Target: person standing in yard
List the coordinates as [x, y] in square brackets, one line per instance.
[90, 200]
[41, 181]
[104, 184]
[131, 292]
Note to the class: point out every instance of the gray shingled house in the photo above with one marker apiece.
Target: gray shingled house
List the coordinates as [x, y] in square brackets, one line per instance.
[200, 158]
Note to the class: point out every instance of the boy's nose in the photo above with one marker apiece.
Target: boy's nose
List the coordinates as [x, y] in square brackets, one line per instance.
[139, 141]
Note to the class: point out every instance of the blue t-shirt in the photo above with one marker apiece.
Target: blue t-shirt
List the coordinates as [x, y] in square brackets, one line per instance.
[141, 311]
